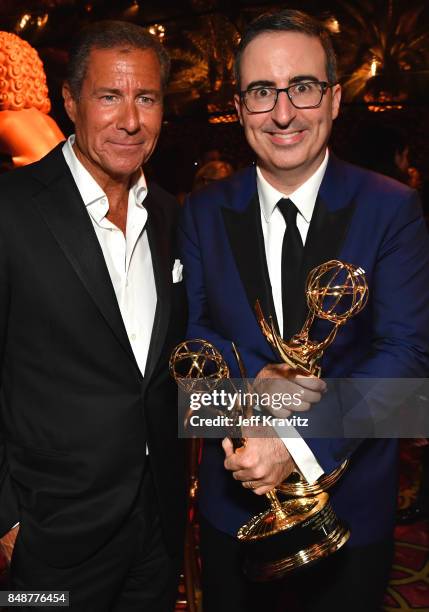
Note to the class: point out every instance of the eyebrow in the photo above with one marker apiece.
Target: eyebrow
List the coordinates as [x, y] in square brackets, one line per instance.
[303, 77]
[254, 84]
[296, 79]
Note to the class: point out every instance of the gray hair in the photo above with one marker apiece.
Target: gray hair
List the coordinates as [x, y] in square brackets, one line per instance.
[111, 35]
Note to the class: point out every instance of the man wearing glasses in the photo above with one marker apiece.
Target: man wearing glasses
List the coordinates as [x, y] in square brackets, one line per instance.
[256, 236]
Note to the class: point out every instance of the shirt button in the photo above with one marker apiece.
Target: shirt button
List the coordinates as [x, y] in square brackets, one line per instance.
[133, 336]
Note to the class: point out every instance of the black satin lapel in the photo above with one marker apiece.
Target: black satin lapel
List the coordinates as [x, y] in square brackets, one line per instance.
[246, 238]
[62, 208]
[326, 234]
[162, 269]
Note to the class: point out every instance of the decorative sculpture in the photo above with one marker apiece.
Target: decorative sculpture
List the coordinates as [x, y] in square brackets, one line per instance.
[27, 133]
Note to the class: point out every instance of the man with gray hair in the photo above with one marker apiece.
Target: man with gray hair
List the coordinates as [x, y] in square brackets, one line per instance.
[91, 305]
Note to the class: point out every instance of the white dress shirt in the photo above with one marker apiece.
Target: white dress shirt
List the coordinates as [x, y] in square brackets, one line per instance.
[273, 228]
[128, 258]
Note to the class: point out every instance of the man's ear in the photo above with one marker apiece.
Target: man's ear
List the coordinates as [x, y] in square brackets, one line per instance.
[336, 100]
[69, 102]
[237, 103]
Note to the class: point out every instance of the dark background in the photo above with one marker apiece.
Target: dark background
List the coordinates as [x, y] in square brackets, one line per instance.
[201, 36]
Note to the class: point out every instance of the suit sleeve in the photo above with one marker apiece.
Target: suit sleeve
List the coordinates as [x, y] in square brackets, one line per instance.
[400, 319]
[8, 508]
[400, 341]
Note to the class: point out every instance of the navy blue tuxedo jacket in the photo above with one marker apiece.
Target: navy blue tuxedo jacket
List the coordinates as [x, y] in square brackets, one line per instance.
[362, 218]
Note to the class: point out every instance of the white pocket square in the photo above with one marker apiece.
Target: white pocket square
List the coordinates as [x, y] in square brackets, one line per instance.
[177, 271]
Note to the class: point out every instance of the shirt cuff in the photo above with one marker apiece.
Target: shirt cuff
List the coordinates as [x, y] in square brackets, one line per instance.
[304, 458]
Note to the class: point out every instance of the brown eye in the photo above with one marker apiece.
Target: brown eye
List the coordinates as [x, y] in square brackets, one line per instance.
[303, 88]
[261, 92]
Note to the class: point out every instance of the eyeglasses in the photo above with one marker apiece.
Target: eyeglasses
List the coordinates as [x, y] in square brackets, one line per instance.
[308, 94]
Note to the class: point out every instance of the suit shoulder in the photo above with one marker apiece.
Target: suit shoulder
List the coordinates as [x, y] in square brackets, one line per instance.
[32, 177]
[16, 178]
[229, 192]
[379, 185]
[378, 198]
[16, 189]
[162, 197]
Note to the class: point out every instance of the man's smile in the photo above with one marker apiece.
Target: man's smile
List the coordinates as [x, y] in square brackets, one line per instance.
[290, 137]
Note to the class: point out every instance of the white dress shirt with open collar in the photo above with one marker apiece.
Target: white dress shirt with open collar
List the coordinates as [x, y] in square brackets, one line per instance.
[128, 257]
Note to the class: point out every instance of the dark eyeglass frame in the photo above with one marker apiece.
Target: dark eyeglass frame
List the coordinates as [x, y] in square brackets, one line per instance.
[324, 86]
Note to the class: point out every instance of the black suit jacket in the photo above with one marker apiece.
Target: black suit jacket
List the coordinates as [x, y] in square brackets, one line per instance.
[76, 413]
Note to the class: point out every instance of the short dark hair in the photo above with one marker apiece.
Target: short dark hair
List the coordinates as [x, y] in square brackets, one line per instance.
[288, 20]
[111, 35]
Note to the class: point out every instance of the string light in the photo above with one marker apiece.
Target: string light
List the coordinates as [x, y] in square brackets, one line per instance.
[42, 20]
[384, 102]
[333, 25]
[373, 67]
[223, 118]
[31, 20]
[158, 30]
[24, 21]
[132, 10]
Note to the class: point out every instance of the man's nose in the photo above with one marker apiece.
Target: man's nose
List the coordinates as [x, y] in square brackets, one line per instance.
[284, 111]
[129, 116]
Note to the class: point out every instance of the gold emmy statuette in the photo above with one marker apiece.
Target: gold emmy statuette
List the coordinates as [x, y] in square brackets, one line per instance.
[198, 365]
[304, 528]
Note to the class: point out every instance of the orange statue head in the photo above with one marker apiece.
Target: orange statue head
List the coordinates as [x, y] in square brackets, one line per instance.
[22, 78]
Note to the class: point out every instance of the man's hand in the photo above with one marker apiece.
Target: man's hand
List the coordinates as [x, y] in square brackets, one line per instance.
[281, 379]
[261, 464]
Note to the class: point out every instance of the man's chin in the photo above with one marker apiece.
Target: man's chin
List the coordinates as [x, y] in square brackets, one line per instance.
[123, 172]
[286, 164]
